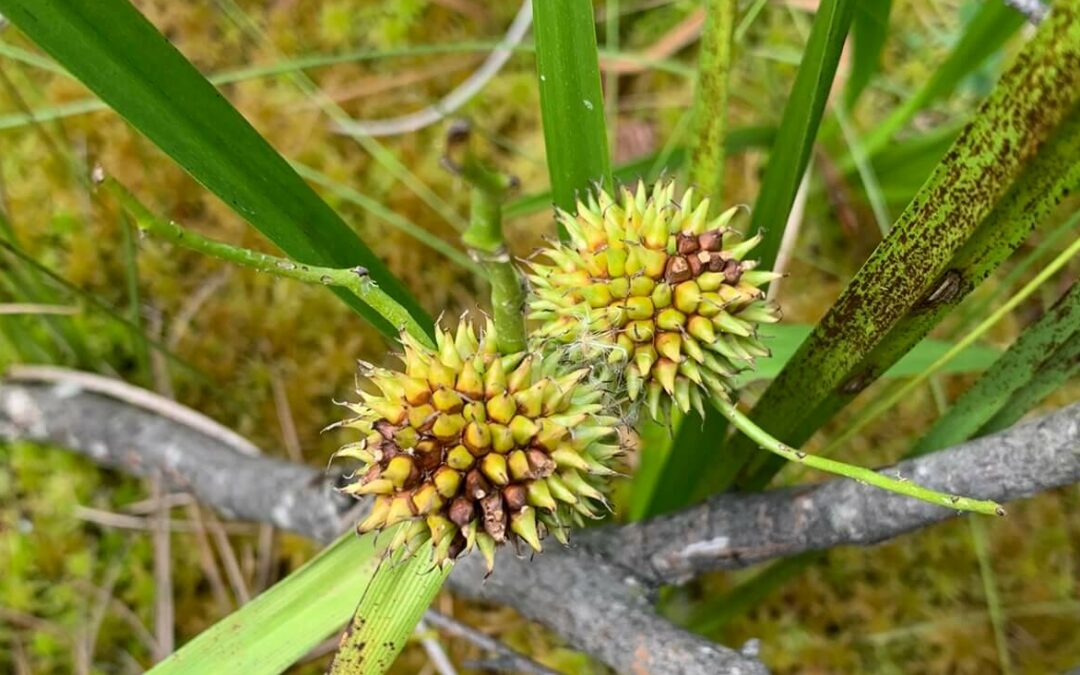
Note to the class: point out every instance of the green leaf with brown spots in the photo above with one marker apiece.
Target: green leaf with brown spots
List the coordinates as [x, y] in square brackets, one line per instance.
[1002, 175]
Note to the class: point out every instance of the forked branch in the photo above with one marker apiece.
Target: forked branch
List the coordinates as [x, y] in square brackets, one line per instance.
[596, 594]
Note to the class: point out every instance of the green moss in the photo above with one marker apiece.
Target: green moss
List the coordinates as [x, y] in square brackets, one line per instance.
[914, 605]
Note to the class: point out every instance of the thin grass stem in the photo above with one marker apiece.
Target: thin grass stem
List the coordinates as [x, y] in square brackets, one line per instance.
[863, 475]
[354, 279]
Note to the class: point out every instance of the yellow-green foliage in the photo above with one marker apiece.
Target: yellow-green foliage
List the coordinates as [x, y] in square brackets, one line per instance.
[916, 605]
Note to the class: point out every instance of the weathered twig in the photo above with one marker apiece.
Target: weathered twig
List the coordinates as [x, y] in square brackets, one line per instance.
[733, 531]
[599, 608]
[513, 660]
[597, 593]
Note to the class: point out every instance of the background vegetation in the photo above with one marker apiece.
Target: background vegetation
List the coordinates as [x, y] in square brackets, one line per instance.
[264, 356]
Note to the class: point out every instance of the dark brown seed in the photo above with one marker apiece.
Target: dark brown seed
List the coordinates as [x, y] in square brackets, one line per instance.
[542, 466]
[476, 486]
[414, 477]
[386, 429]
[494, 517]
[686, 244]
[712, 240]
[457, 545]
[515, 496]
[732, 271]
[695, 263]
[428, 461]
[462, 511]
[716, 262]
[390, 450]
[677, 270]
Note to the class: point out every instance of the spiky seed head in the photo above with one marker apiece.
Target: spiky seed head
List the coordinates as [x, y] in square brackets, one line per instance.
[475, 448]
[661, 286]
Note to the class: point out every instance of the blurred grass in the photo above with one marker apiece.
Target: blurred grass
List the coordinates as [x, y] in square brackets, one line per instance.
[914, 605]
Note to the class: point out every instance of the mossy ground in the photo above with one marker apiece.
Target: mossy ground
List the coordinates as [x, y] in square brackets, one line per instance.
[914, 605]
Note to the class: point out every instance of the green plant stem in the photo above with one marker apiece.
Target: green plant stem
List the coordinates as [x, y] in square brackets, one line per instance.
[714, 66]
[484, 237]
[969, 338]
[354, 279]
[896, 485]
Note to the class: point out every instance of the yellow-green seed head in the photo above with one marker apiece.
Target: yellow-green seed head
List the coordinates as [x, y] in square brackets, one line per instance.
[478, 448]
[659, 286]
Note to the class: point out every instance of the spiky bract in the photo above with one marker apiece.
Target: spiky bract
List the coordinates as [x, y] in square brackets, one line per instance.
[654, 281]
[476, 448]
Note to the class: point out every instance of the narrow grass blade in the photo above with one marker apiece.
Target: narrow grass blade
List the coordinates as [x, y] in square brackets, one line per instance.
[869, 29]
[571, 101]
[123, 59]
[1015, 369]
[27, 284]
[963, 223]
[714, 614]
[379, 211]
[274, 630]
[1060, 367]
[388, 612]
[885, 403]
[992, 25]
[101, 305]
[799, 125]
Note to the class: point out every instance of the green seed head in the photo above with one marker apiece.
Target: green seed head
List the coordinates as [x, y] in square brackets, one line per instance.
[659, 287]
[475, 448]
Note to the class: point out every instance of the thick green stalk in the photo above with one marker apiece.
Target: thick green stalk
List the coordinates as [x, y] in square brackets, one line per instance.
[1051, 175]
[1016, 367]
[911, 273]
[969, 338]
[571, 100]
[897, 485]
[485, 240]
[355, 279]
[714, 66]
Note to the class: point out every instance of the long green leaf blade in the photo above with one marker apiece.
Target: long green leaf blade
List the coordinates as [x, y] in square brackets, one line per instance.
[123, 59]
[869, 29]
[1048, 178]
[281, 625]
[799, 125]
[939, 233]
[1059, 368]
[1015, 369]
[388, 612]
[571, 100]
[736, 141]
